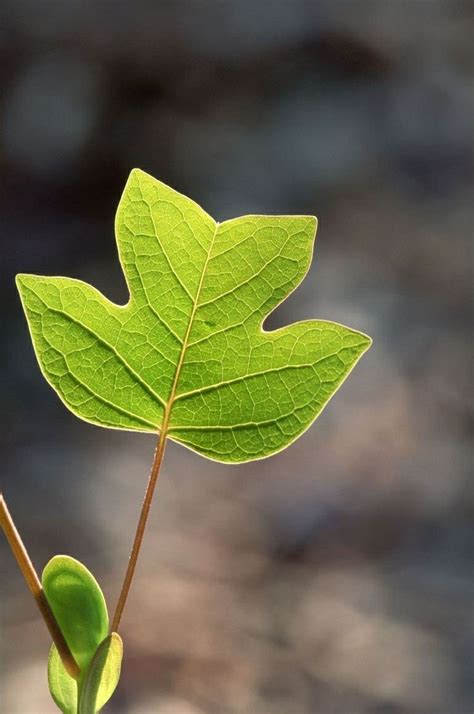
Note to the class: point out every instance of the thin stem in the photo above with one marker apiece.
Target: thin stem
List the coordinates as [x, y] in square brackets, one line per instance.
[159, 453]
[34, 584]
[147, 501]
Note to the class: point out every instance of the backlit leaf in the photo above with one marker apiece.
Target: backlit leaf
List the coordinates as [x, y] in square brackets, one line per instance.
[62, 686]
[102, 676]
[78, 606]
[187, 354]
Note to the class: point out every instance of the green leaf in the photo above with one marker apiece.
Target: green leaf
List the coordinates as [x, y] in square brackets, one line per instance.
[187, 354]
[78, 606]
[98, 683]
[62, 686]
[103, 675]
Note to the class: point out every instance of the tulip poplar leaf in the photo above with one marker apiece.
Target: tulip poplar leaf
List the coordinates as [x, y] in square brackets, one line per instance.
[188, 355]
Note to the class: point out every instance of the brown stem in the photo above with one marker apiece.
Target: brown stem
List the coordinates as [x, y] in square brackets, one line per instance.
[155, 469]
[154, 473]
[34, 584]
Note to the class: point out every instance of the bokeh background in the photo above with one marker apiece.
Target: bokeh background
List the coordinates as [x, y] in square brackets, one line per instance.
[336, 577]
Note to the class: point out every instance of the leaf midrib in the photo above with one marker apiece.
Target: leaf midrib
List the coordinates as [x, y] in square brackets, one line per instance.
[174, 386]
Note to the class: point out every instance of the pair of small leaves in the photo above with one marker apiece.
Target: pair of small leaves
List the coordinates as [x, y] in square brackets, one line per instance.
[99, 683]
[188, 355]
[80, 610]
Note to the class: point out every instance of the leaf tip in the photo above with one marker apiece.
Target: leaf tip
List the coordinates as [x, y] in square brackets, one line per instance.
[21, 279]
[367, 340]
[136, 174]
[57, 561]
[24, 281]
[313, 221]
[115, 637]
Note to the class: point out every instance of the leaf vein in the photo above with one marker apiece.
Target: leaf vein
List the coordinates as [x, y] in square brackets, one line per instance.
[100, 339]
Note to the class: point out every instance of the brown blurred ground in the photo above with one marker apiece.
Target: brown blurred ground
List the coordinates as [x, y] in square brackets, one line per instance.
[336, 577]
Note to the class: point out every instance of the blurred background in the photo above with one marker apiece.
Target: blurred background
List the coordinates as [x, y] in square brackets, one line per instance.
[333, 578]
